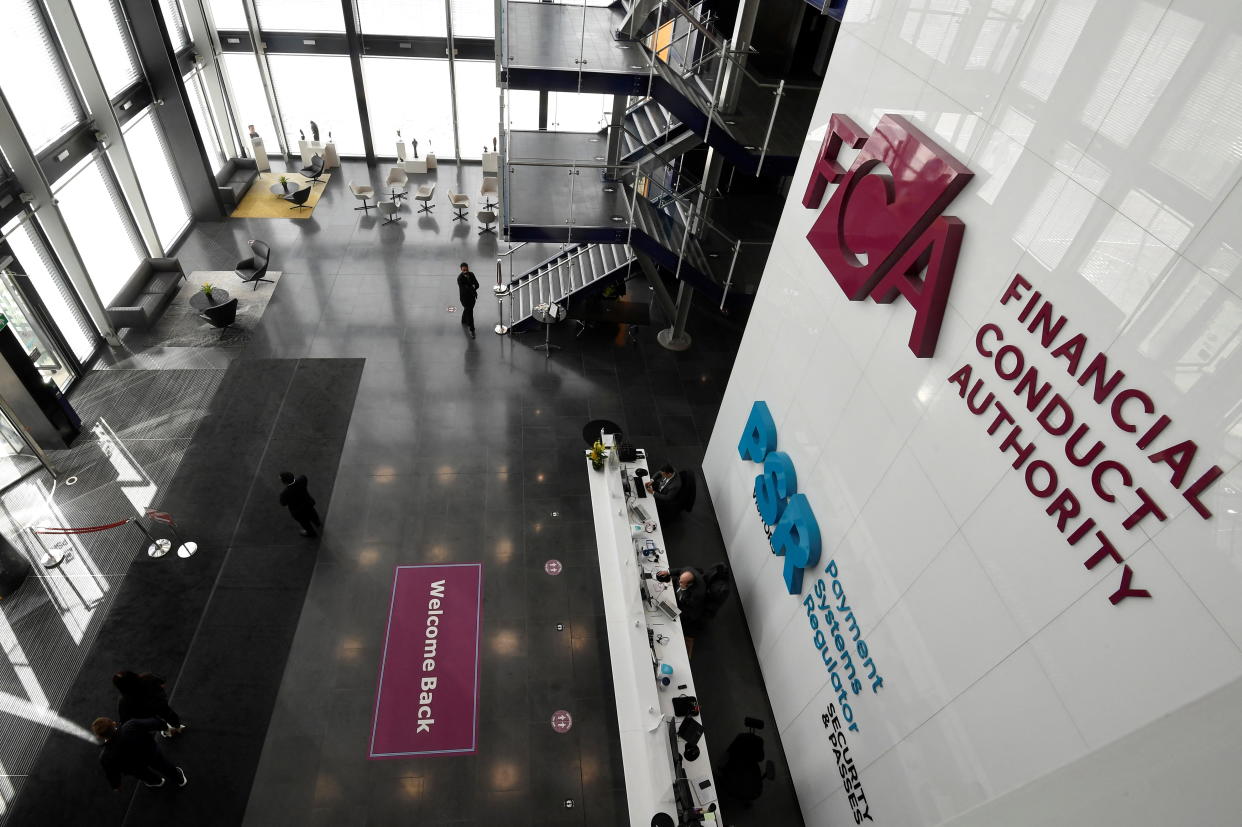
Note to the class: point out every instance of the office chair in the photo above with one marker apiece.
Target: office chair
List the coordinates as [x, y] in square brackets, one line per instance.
[315, 170]
[221, 315]
[717, 586]
[425, 193]
[740, 774]
[488, 217]
[253, 269]
[362, 192]
[298, 199]
[397, 181]
[460, 203]
[389, 209]
[489, 191]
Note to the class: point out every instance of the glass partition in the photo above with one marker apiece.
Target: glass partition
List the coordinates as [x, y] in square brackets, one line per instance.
[227, 14]
[474, 18]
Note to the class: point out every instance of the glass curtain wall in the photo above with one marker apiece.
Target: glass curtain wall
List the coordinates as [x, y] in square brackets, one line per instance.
[205, 122]
[107, 37]
[103, 230]
[227, 14]
[249, 101]
[153, 163]
[173, 21]
[299, 15]
[57, 295]
[33, 77]
[413, 94]
[412, 18]
[427, 117]
[319, 88]
[478, 106]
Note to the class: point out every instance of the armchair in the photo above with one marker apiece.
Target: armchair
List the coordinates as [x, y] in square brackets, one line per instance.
[315, 170]
[460, 203]
[253, 269]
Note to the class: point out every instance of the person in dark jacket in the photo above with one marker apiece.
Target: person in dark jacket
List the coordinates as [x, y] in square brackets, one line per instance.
[144, 696]
[296, 497]
[130, 749]
[691, 597]
[468, 291]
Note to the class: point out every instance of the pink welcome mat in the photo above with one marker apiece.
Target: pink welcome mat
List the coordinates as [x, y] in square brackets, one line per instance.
[427, 702]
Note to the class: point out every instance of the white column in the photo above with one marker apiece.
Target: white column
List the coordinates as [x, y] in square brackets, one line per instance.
[78, 55]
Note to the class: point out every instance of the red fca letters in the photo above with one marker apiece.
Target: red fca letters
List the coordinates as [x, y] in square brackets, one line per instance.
[882, 226]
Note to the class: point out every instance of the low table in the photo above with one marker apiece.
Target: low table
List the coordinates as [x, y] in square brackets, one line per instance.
[200, 302]
[294, 186]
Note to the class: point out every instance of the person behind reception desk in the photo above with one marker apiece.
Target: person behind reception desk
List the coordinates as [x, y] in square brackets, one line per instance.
[665, 487]
[691, 597]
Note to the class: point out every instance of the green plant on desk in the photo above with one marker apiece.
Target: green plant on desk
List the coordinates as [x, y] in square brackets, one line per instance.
[208, 288]
[598, 454]
[284, 182]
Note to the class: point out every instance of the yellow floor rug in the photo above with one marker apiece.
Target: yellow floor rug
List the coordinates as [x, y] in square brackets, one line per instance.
[259, 202]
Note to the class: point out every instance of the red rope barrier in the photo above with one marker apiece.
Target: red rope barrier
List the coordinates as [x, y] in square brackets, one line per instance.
[87, 530]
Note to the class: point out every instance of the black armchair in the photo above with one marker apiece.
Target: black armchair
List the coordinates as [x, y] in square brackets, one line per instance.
[221, 315]
[315, 170]
[298, 199]
[253, 269]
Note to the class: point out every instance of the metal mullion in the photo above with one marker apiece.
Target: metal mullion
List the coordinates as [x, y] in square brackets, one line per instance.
[265, 75]
[452, 66]
[204, 38]
[353, 42]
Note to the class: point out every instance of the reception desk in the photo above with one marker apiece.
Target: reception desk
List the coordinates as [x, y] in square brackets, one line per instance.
[644, 710]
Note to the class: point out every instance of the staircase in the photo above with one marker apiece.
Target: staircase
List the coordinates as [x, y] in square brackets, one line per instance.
[577, 271]
[650, 132]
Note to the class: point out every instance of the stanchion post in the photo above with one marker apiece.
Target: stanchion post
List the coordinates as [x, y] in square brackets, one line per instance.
[158, 548]
[500, 289]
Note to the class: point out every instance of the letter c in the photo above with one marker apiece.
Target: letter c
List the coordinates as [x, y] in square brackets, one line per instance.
[1000, 337]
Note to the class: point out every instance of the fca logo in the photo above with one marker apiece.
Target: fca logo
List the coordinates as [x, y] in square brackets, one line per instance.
[882, 226]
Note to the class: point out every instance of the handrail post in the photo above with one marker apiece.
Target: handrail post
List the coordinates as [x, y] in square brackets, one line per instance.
[655, 39]
[780, 93]
[737, 245]
[711, 112]
[501, 290]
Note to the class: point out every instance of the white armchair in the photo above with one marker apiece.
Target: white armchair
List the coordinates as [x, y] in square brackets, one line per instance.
[460, 203]
[388, 209]
[489, 192]
[397, 181]
[425, 193]
[362, 192]
[488, 217]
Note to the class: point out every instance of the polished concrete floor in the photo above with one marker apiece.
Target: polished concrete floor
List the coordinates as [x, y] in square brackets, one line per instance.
[457, 449]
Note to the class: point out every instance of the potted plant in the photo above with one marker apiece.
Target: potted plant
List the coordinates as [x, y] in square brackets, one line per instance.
[598, 454]
[208, 288]
[284, 183]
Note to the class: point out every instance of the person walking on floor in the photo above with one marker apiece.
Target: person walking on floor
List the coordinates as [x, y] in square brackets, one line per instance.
[468, 290]
[300, 503]
[144, 696]
[130, 749]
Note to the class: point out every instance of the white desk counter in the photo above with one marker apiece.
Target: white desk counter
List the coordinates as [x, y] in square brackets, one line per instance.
[643, 710]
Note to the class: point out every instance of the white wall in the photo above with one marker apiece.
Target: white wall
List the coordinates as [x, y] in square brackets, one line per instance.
[1105, 139]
